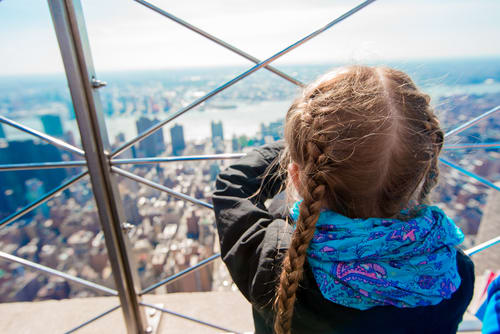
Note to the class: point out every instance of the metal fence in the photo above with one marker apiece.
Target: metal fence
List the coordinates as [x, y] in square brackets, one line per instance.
[102, 164]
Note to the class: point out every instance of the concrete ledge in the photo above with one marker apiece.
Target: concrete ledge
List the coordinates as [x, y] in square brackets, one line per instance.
[226, 309]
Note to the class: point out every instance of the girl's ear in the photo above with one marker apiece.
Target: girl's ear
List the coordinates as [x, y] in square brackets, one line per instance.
[293, 171]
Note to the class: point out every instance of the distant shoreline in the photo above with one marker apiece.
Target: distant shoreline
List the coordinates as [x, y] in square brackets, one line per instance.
[197, 69]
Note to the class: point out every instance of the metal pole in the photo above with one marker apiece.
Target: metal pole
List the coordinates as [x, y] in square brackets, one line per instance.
[470, 174]
[472, 122]
[69, 24]
[471, 145]
[218, 41]
[240, 77]
[161, 188]
[43, 136]
[481, 247]
[50, 271]
[201, 322]
[42, 165]
[141, 161]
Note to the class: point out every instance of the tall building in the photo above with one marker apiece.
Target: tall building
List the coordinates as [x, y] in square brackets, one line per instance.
[273, 131]
[178, 144]
[13, 184]
[34, 190]
[2, 132]
[154, 144]
[214, 171]
[217, 130]
[217, 137]
[193, 226]
[52, 125]
[236, 144]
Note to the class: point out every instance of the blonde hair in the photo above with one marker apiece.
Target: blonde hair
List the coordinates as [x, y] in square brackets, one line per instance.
[366, 142]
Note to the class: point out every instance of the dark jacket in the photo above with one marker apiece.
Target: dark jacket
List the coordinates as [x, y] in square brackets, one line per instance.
[253, 241]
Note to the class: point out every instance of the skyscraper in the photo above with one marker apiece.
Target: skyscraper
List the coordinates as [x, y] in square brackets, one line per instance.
[217, 137]
[154, 144]
[34, 190]
[13, 183]
[236, 144]
[52, 125]
[178, 144]
[271, 132]
[217, 130]
[2, 132]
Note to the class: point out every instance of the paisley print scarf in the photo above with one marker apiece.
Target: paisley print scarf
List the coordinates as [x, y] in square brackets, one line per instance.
[362, 263]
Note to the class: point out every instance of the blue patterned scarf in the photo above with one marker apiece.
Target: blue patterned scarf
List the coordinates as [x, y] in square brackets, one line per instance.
[362, 263]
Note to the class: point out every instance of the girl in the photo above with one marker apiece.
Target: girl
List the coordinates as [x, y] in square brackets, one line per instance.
[362, 251]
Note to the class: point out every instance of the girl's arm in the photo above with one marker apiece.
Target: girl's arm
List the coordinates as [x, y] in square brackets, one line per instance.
[252, 240]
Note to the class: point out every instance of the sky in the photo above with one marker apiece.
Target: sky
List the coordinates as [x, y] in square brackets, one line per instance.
[124, 35]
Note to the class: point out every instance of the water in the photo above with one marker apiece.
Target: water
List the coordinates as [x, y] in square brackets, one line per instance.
[24, 99]
[245, 119]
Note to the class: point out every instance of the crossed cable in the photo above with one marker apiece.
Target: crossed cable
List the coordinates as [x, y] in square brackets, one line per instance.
[114, 162]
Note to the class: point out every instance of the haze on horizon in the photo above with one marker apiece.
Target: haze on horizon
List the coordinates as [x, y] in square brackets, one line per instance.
[128, 36]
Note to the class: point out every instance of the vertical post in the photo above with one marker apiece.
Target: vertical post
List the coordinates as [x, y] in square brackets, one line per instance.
[69, 24]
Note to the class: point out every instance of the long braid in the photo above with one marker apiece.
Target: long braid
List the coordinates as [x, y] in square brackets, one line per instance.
[431, 177]
[293, 264]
